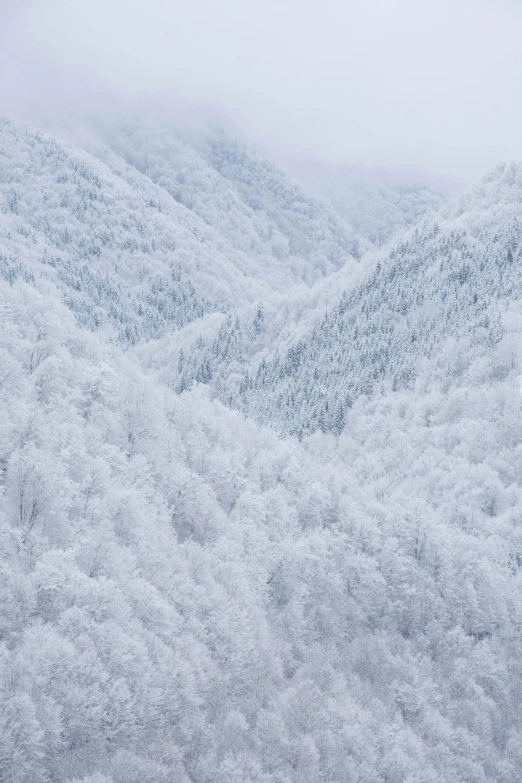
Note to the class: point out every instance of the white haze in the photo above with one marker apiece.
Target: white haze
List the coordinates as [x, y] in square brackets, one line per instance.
[413, 86]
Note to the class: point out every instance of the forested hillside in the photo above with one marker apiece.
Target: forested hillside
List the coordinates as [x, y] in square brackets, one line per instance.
[317, 577]
[124, 251]
[449, 277]
[240, 193]
[376, 204]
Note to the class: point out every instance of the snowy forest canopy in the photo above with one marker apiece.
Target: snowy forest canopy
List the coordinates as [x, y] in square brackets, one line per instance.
[260, 477]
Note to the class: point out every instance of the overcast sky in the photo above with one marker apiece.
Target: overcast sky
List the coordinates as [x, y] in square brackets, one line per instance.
[405, 83]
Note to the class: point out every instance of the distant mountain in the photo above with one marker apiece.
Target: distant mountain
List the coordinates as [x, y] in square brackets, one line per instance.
[449, 277]
[119, 255]
[377, 204]
[227, 183]
[193, 241]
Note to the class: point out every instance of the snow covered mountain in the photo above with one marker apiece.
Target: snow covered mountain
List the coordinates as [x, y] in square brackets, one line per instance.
[448, 278]
[188, 594]
[240, 193]
[378, 204]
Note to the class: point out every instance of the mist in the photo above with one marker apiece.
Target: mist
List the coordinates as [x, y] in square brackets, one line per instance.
[395, 84]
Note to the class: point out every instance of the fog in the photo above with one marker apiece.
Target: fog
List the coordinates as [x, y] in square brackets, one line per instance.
[432, 86]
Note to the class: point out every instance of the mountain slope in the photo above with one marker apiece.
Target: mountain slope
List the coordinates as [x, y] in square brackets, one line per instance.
[233, 188]
[378, 205]
[447, 278]
[125, 253]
